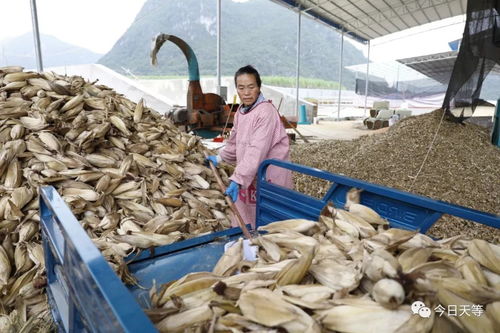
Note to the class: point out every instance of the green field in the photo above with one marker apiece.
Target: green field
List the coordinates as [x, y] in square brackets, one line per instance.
[158, 77]
[279, 81]
[282, 81]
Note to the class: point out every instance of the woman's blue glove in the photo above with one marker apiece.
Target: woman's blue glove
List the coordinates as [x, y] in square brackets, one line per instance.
[232, 190]
[213, 159]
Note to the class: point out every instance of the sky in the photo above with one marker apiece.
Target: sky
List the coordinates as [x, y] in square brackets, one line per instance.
[98, 24]
[92, 24]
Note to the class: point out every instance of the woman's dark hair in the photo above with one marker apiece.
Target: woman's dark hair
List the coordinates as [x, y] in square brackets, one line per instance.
[248, 69]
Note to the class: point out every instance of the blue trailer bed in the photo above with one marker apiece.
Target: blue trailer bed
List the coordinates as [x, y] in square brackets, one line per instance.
[86, 295]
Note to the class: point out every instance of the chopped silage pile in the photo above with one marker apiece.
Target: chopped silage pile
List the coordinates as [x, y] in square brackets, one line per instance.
[462, 167]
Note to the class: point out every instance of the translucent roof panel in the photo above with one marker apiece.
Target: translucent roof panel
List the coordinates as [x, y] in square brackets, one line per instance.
[391, 71]
[369, 19]
[437, 66]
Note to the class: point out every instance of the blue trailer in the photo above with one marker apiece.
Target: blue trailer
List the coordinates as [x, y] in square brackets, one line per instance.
[85, 295]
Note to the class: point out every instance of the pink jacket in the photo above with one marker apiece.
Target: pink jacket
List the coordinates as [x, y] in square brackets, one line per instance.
[256, 135]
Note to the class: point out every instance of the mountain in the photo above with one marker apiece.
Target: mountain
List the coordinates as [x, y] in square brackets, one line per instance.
[21, 51]
[257, 32]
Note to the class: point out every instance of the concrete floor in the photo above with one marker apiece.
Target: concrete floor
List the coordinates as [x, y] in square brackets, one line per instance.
[335, 130]
[325, 130]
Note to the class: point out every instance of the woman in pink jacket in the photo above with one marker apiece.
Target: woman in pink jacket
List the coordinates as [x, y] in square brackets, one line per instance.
[257, 134]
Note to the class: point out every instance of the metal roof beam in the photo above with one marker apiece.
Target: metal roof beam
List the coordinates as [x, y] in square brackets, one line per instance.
[449, 9]
[346, 24]
[365, 13]
[462, 7]
[435, 11]
[364, 20]
[383, 14]
[411, 14]
[341, 25]
[404, 21]
[406, 8]
[335, 24]
[419, 8]
[316, 5]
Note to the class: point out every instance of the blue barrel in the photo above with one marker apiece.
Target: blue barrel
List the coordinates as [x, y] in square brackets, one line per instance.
[495, 133]
[303, 116]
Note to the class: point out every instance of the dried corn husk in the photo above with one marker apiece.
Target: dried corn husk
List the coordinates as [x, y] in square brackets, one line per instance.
[112, 172]
[325, 278]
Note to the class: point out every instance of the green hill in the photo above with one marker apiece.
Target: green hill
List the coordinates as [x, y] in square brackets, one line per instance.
[21, 51]
[256, 32]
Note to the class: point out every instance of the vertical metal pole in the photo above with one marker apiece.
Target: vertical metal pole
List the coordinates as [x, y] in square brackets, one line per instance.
[218, 45]
[298, 63]
[397, 77]
[36, 36]
[340, 72]
[367, 75]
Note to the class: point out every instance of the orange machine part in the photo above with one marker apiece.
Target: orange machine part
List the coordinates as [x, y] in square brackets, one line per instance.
[194, 96]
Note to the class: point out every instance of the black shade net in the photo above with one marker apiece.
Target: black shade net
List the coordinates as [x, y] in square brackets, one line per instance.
[478, 54]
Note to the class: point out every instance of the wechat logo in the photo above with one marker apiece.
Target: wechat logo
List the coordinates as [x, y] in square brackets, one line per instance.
[419, 308]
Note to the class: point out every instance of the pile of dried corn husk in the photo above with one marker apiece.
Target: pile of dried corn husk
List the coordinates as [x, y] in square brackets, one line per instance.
[462, 167]
[132, 178]
[345, 273]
